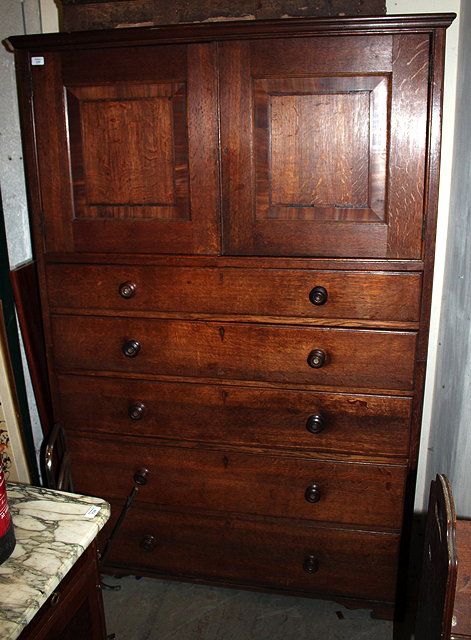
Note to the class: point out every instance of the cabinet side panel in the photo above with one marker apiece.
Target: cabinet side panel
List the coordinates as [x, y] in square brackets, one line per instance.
[408, 145]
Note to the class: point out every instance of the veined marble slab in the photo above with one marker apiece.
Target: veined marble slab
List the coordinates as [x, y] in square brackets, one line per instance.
[52, 530]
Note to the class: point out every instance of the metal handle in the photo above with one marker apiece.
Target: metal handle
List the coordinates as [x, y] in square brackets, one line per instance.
[148, 543]
[136, 411]
[131, 348]
[311, 564]
[317, 358]
[312, 494]
[127, 289]
[315, 423]
[55, 599]
[141, 476]
[318, 296]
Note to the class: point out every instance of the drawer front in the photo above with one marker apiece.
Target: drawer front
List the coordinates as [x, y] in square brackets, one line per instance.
[210, 290]
[302, 420]
[229, 481]
[250, 552]
[272, 353]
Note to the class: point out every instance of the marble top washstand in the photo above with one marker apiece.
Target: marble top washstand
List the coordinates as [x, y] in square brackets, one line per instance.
[52, 530]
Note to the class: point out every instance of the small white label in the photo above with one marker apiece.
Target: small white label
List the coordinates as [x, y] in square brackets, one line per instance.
[37, 61]
[91, 513]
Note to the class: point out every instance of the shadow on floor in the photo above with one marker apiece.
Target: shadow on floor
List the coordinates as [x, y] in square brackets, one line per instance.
[150, 609]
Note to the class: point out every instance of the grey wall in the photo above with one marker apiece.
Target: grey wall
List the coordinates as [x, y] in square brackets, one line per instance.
[449, 448]
[18, 17]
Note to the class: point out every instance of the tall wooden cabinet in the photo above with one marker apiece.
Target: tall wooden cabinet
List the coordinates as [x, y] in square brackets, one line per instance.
[234, 226]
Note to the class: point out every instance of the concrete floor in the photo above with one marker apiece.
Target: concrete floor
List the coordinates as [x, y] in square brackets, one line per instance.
[148, 609]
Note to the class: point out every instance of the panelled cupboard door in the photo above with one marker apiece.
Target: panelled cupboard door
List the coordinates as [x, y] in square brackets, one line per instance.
[127, 145]
[324, 144]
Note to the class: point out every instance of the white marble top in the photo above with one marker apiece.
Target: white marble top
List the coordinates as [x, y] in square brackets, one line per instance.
[52, 530]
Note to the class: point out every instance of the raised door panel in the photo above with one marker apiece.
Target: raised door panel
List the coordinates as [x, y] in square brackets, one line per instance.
[127, 144]
[130, 151]
[324, 146]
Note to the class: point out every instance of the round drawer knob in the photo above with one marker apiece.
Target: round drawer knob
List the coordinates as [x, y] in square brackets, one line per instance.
[131, 348]
[315, 423]
[136, 411]
[311, 564]
[127, 289]
[141, 476]
[318, 296]
[316, 359]
[148, 543]
[312, 494]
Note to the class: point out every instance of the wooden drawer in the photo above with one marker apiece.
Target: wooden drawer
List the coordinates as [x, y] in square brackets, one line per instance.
[229, 481]
[252, 552]
[210, 290]
[237, 351]
[268, 418]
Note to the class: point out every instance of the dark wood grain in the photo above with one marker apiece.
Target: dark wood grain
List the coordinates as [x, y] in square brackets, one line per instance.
[237, 30]
[262, 553]
[233, 351]
[111, 125]
[439, 565]
[317, 144]
[315, 156]
[100, 14]
[230, 481]
[264, 292]
[314, 196]
[128, 153]
[56, 208]
[409, 113]
[260, 418]
[266, 262]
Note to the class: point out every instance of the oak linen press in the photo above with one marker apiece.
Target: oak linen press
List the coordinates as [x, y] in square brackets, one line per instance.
[234, 228]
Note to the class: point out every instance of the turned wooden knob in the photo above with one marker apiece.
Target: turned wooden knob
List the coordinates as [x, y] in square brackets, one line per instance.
[136, 411]
[148, 543]
[127, 289]
[131, 348]
[315, 423]
[318, 296]
[141, 476]
[311, 564]
[312, 494]
[316, 359]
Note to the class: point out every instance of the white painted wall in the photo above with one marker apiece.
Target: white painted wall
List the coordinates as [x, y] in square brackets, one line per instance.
[449, 446]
